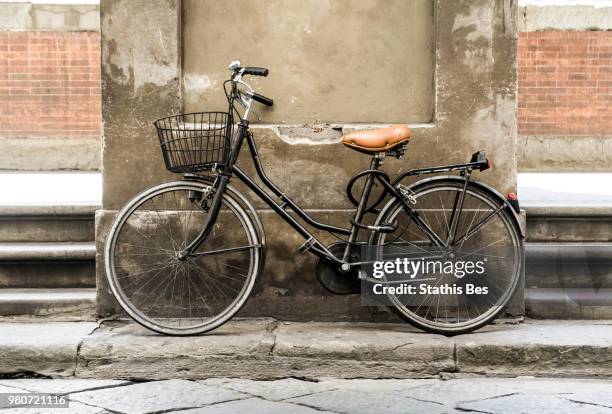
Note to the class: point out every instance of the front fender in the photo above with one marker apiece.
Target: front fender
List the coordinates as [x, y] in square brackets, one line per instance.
[237, 195]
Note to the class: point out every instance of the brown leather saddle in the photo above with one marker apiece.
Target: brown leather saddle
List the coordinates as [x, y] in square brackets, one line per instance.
[378, 140]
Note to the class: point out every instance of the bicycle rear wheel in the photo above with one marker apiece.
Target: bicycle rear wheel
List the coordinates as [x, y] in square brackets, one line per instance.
[177, 296]
[494, 241]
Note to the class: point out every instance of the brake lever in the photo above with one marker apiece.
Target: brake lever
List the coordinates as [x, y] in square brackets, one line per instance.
[239, 100]
[256, 114]
[240, 97]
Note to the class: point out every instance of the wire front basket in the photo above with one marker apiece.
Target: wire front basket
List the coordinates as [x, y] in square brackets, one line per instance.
[195, 142]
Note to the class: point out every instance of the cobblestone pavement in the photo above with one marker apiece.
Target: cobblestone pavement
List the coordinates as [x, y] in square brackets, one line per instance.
[477, 395]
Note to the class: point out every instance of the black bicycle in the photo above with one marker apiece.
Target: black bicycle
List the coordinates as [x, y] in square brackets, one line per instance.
[182, 257]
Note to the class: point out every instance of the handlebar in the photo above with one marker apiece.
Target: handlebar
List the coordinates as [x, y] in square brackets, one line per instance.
[255, 71]
[236, 67]
[238, 71]
[262, 99]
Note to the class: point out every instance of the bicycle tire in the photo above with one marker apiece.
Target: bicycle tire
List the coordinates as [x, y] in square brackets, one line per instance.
[251, 223]
[391, 210]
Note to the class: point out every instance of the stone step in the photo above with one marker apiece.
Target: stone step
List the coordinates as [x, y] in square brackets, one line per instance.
[47, 265]
[550, 303]
[568, 280]
[267, 349]
[47, 251]
[47, 223]
[56, 304]
[48, 275]
[568, 265]
[569, 224]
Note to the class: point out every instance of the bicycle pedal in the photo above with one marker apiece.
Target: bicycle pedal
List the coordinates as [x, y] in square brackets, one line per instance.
[307, 245]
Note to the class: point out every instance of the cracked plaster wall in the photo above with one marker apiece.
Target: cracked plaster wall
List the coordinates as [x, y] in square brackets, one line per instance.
[49, 17]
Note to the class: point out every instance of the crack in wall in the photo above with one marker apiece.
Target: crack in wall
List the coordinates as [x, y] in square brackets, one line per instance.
[309, 134]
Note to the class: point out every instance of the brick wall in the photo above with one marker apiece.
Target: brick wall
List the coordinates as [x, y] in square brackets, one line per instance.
[50, 84]
[565, 83]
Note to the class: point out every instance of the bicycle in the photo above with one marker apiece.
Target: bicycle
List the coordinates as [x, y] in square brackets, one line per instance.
[182, 257]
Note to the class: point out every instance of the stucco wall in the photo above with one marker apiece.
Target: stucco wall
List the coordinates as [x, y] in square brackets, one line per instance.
[330, 61]
[474, 108]
[49, 17]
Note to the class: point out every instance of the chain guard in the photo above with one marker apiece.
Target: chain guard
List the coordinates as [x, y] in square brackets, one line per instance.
[331, 278]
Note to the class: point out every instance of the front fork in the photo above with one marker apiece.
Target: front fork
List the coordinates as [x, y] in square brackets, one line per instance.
[221, 184]
[213, 211]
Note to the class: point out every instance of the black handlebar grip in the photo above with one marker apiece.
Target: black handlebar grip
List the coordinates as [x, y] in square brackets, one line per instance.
[255, 71]
[262, 99]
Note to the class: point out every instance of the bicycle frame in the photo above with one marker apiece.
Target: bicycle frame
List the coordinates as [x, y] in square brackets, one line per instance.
[184, 281]
[312, 243]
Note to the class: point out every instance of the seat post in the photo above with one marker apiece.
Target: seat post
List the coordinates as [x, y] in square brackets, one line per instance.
[363, 201]
[377, 160]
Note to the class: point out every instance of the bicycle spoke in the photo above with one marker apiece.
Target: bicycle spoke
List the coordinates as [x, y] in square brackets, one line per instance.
[229, 250]
[480, 225]
[452, 309]
[174, 294]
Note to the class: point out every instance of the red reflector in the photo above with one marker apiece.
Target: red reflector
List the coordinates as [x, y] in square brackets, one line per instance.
[490, 163]
[511, 197]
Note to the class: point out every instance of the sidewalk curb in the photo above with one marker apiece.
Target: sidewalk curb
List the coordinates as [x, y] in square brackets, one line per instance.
[266, 349]
[41, 349]
[539, 348]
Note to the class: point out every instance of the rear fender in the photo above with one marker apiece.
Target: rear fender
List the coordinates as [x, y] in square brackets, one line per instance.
[492, 191]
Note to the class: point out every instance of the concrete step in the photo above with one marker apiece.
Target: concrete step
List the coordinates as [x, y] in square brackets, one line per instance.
[569, 224]
[267, 349]
[550, 303]
[47, 265]
[568, 280]
[568, 265]
[48, 275]
[58, 304]
[47, 223]
[32, 252]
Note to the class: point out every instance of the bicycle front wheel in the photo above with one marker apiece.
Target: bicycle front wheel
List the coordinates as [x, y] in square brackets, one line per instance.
[182, 296]
[463, 287]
